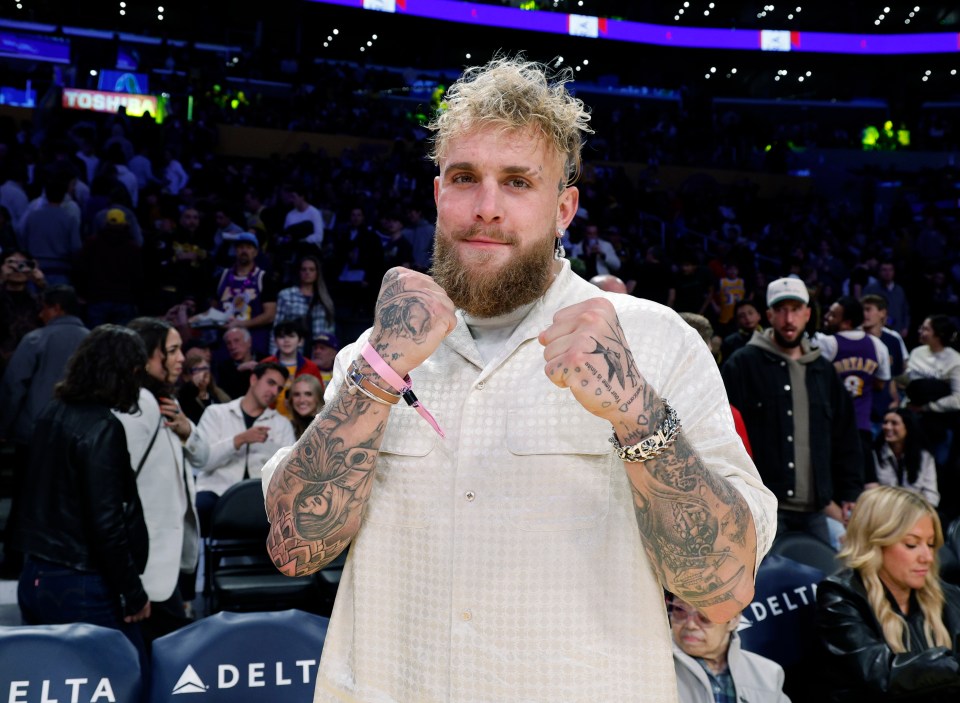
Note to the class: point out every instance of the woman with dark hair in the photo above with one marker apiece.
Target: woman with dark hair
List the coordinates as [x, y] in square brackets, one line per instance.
[888, 623]
[82, 529]
[309, 302]
[161, 441]
[900, 458]
[933, 391]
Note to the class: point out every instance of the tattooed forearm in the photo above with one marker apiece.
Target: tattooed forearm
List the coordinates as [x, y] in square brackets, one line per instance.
[402, 313]
[316, 498]
[696, 527]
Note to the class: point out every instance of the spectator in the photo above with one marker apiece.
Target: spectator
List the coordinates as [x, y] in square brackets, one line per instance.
[861, 361]
[889, 624]
[323, 354]
[397, 250]
[419, 232]
[874, 323]
[199, 390]
[303, 222]
[289, 340]
[161, 442]
[354, 269]
[609, 283]
[19, 306]
[225, 236]
[51, 234]
[597, 254]
[82, 529]
[694, 286]
[898, 310]
[174, 175]
[712, 668]
[110, 274]
[308, 302]
[731, 289]
[243, 434]
[655, 280]
[28, 382]
[233, 373]
[306, 399]
[799, 417]
[748, 321]
[901, 459]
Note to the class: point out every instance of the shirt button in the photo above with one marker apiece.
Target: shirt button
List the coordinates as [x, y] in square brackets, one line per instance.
[790, 494]
[789, 438]
[789, 413]
[783, 363]
[786, 387]
[466, 616]
[469, 495]
[480, 386]
[790, 465]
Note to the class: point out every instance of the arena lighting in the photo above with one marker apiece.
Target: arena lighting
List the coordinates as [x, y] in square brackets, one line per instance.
[666, 35]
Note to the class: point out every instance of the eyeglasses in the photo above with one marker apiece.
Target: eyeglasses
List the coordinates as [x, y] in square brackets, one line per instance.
[679, 615]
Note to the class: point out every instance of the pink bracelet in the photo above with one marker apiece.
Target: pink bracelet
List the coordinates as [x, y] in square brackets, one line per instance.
[403, 386]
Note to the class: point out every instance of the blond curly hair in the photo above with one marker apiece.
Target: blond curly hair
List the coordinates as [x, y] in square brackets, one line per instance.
[881, 518]
[513, 93]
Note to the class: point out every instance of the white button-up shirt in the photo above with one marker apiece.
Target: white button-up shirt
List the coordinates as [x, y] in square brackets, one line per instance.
[504, 562]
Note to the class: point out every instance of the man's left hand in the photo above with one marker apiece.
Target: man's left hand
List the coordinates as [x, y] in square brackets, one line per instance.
[587, 352]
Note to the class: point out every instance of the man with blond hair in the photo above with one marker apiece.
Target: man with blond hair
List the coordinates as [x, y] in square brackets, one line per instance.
[505, 544]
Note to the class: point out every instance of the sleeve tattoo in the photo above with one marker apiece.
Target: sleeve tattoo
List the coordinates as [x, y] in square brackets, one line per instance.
[694, 523]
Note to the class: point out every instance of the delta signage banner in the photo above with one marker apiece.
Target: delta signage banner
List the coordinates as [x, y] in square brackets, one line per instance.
[240, 658]
[103, 101]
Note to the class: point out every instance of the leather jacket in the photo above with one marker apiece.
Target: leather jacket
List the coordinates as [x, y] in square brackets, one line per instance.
[859, 665]
[79, 505]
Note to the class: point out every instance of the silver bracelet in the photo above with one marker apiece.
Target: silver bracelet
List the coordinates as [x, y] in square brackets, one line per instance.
[655, 444]
[354, 387]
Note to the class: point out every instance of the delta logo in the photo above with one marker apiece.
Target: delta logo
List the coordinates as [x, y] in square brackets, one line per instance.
[253, 675]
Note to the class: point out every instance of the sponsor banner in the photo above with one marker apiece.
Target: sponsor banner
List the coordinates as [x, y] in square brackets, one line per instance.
[34, 47]
[102, 101]
[240, 658]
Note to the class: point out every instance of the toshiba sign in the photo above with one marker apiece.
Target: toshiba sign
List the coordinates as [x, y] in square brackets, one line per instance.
[102, 101]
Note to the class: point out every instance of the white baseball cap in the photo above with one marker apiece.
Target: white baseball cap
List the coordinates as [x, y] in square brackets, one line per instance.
[787, 289]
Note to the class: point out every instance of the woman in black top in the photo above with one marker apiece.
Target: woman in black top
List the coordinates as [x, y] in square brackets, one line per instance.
[888, 623]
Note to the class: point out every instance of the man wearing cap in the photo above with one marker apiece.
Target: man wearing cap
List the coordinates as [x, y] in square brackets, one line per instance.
[245, 293]
[325, 348]
[118, 215]
[799, 418]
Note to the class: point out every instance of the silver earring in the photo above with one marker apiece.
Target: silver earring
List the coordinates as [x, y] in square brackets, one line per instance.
[558, 251]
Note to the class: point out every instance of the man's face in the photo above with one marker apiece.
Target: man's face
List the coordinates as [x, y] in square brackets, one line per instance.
[748, 318]
[833, 318]
[190, 219]
[788, 319]
[356, 217]
[264, 390]
[873, 317]
[499, 206]
[17, 269]
[238, 345]
[222, 219]
[886, 272]
[323, 355]
[246, 253]
[697, 636]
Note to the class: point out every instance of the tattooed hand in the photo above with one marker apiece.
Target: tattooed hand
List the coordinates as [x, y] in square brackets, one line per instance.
[413, 315]
[587, 352]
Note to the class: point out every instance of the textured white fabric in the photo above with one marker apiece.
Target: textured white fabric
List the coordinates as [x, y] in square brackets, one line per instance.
[504, 562]
[168, 494]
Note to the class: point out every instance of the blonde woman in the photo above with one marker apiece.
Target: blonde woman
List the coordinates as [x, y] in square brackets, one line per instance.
[888, 623]
[306, 399]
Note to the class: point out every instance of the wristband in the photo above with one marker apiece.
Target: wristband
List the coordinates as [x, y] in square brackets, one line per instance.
[403, 386]
[370, 389]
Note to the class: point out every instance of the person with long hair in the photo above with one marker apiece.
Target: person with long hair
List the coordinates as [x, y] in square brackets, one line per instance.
[308, 302]
[900, 458]
[162, 441]
[888, 623]
[82, 529]
[199, 389]
[305, 400]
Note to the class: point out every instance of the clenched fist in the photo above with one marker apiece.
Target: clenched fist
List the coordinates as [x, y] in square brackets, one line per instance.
[587, 352]
[413, 315]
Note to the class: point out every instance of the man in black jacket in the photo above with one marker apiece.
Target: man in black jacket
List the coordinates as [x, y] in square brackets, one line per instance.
[799, 417]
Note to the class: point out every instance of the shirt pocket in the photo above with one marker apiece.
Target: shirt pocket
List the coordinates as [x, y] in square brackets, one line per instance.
[406, 486]
[559, 472]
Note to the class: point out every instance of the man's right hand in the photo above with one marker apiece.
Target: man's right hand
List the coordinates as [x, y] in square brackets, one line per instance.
[413, 315]
[255, 435]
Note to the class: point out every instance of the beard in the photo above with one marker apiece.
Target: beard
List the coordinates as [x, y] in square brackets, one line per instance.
[483, 291]
[786, 344]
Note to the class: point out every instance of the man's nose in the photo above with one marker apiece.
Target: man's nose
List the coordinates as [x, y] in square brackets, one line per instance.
[489, 205]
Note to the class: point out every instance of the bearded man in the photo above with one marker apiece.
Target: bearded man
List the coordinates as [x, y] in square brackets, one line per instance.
[799, 417]
[512, 541]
